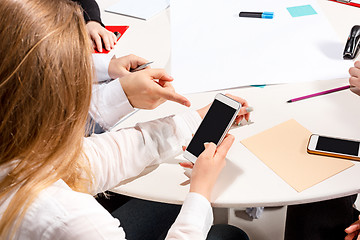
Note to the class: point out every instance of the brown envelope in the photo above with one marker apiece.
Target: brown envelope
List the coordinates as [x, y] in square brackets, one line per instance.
[283, 149]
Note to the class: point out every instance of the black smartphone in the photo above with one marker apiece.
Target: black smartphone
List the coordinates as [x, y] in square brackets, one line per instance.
[334, 147]
[214, 126]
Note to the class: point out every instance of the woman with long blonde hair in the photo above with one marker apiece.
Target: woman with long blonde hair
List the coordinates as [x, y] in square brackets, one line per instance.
[49, 172]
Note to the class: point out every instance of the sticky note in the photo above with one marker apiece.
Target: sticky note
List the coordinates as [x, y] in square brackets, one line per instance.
[301, 11]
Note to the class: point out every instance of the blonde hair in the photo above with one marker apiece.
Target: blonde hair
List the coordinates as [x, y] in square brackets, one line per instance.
[45, 91]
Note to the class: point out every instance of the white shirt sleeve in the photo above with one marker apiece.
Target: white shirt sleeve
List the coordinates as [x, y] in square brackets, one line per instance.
[101, 65]
[116, 156]
[61, 213]
[109, 102]
[194, 220]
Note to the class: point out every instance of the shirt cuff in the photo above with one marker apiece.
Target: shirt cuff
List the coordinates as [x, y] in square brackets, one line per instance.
[109, 104]
[101, 65]
[200, 210]
[187, 122]
[194, 220]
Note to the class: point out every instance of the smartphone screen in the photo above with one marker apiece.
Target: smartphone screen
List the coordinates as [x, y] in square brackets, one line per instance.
[212, 127]
[337, 145]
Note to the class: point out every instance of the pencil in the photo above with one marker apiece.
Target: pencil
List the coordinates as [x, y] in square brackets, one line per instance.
[319, 93]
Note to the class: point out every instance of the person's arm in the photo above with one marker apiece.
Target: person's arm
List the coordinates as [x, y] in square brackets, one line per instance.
[95, 27]
[109, 104]
[145, 89]
[116, 156]
[194, 220]
[91, 10]
[152, 142]
[101, 67]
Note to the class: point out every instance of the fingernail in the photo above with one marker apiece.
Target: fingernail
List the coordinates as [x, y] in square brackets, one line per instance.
[238, 123]
[249, 109]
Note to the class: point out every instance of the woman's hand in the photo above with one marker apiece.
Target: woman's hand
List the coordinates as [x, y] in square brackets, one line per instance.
[354, 79]
[244, 110]
[120, 67]
[212, 160]
[353, 231]
[147, 89]
[100, 35]
[208, 167]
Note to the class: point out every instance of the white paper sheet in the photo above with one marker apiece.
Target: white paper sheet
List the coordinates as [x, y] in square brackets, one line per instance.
[213, 48]
[143, 9]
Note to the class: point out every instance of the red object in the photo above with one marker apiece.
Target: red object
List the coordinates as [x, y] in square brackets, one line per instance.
[347, 3]
[119, 29]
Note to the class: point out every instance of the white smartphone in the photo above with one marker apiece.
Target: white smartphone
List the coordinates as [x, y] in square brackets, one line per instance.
[334, 147]
[214, 126]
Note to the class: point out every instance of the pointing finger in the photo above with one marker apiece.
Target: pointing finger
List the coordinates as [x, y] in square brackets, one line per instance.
[167, 91]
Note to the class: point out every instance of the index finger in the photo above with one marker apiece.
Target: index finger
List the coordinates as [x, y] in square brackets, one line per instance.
[353, 227]
[167, 91]
[98, 42]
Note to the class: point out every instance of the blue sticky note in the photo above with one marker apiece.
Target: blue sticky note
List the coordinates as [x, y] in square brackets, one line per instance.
[301, 11]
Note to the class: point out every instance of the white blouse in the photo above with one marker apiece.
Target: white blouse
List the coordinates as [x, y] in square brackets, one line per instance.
[109, 102]
[61, 213]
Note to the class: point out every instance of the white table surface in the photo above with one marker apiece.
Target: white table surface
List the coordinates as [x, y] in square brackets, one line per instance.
[246, 181]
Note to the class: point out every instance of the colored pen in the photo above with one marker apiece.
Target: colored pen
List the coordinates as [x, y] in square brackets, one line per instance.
[141, 67]
[319, 93]
[267, 15]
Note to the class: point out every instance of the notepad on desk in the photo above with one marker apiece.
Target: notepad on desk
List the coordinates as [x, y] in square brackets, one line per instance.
[283, 149]
[142, 9]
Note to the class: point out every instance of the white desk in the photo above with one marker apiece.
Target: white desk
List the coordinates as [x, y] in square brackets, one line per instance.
[246, 180]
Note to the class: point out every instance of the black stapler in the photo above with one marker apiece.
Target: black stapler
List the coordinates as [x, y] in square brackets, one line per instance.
[352, 43]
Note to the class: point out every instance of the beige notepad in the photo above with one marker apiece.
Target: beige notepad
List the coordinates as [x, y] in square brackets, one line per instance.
[283, 149]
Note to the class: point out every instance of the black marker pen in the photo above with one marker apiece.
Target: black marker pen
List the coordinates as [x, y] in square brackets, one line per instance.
[267, 15]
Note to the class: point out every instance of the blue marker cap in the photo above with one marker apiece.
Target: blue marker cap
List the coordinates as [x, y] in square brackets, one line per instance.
[267, 15]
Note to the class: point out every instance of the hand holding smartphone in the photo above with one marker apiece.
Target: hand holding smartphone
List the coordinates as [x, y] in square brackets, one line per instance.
[334, 147]
[214, 126]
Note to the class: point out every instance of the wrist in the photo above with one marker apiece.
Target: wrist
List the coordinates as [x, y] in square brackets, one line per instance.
[117, 68]
[124, 85]
[202, 191]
